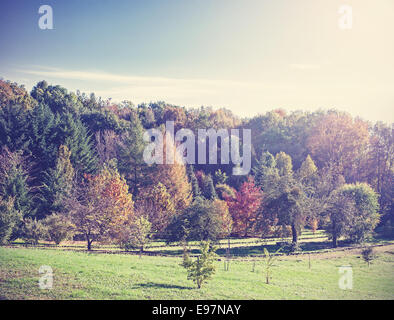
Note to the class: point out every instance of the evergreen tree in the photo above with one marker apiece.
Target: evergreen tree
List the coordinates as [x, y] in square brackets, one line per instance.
[75, 136]
[58, 184]
[131, 162]
[193, 181]
[14, 128]
[209, 191]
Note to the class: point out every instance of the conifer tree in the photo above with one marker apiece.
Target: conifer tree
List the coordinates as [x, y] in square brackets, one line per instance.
[131, 161]
[58, 184]
[209, 191]
[75, 136]
[194, 182]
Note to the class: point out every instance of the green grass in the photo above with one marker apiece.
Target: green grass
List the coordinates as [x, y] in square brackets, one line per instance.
[240, 247]
[81, 275]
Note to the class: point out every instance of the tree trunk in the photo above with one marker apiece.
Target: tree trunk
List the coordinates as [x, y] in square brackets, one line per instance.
[334, 240]
[89, 242]
[294, 233]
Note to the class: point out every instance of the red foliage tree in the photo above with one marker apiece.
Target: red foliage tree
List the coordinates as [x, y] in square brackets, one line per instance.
[244, 207]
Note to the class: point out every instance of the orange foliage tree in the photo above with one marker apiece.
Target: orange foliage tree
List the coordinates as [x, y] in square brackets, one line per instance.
[101, 205]
[339, 141]
[158, 206]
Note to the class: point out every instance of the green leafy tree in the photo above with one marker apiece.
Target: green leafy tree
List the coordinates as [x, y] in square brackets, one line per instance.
[136, 234]
[366, 214]
[352, 212]
[33, 230]
[201, 221]
[203, 268]
[59, 228]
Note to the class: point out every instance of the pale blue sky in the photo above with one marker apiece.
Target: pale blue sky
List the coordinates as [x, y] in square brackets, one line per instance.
[249, 56]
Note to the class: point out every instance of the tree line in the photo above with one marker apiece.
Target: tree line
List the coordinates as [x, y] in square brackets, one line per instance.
[71, 165]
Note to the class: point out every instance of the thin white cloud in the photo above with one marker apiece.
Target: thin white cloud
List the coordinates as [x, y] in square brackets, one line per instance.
[55, 73]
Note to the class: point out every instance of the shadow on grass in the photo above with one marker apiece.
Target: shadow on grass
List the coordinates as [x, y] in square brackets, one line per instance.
[160, 285]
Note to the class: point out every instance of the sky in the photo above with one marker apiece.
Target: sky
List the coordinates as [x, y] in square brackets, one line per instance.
[249, 56]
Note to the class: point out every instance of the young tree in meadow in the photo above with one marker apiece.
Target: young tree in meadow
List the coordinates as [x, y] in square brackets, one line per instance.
[59, 227]
[244, 207]
[203, 268]
[100, 205]
[33, 230]
[136, 233]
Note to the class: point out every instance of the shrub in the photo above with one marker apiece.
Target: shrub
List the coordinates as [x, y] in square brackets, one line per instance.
[269, 260]
[368, 255]
[203, 268]
[33, 231]
[135, 235]
[59, 228]
[9, 219]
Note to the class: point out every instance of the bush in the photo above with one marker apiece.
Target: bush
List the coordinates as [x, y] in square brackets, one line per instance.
[33, 231]
[368, 255]
[203, 268]
[9, 219]
[203, 220]
[135, 235]
[59, 228]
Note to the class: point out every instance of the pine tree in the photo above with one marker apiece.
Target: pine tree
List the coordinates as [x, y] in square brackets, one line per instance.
[131, 162]
[58, 184]
[209, 191]
[75, 136]
[14, 127]
[193, 181]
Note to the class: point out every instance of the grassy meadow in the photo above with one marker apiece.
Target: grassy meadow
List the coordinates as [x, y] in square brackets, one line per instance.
[79, 274]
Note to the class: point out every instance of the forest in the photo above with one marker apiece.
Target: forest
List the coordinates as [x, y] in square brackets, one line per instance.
[72, 167]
